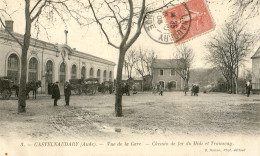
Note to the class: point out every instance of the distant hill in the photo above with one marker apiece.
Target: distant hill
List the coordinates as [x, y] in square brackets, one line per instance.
[203, 76]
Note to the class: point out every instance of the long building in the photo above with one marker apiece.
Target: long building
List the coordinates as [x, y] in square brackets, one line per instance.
[49, 62]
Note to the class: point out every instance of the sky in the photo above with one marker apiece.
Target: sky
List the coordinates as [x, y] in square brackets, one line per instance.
[90, 40]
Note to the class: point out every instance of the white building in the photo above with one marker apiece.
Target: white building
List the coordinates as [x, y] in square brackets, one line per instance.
[50, 62]
[256, 70]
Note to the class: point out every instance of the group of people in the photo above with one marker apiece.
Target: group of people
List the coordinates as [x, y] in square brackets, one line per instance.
[159, 88]
[126, 88]
[56, 93]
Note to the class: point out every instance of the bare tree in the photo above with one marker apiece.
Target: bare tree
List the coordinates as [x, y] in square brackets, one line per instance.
[33, 11]
[184, 58]
[128, 17]
[228, 50]
[130, 61]
[143, 66]
[252, 7]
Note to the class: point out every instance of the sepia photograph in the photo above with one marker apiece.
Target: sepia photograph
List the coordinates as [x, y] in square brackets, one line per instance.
[130, 77]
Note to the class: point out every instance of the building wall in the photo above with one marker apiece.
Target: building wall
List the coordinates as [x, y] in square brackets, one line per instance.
[48, 52]
[167, 77]
[256, 73]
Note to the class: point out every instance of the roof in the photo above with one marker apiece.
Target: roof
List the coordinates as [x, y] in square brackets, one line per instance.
[166, 63]
[257, 54]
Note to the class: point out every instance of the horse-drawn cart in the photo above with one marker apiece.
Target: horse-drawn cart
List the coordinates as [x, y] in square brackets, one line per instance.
[87, 86]
[106, 86]
[6, 85]
[76, 85]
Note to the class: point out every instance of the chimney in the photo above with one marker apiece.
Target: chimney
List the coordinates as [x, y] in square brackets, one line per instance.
[9, 25]
[66, 36]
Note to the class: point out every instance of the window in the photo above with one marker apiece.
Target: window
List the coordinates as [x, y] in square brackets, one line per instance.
[105, 75]
[161, 72]
[62, 73]
[74, 71]
[33, 69]
[49, 71]
[98, 74]
[110, 76]
[91, 73]
[13, 68]
[83, 72]
[173, 72]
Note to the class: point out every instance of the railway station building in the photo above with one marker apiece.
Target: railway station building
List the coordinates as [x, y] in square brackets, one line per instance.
[49, 62]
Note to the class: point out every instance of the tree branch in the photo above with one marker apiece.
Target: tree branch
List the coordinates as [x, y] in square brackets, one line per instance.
[11, 33]
[101, 26]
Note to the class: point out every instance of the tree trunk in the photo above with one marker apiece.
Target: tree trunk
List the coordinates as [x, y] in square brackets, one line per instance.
[25, 47]
[235, 83]
[22, 89]
[118, 103]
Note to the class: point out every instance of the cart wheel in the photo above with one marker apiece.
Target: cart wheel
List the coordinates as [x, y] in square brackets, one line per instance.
[6, 94]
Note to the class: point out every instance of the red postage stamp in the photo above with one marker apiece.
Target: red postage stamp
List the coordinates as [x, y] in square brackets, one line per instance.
[188, 20]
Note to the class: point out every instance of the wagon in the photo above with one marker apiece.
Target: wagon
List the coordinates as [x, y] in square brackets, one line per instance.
[76, 85]
[87, 86]
[90, 86]
[6, 85]
[106, 86]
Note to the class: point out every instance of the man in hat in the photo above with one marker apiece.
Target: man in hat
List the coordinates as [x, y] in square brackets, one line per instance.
[67, 92]
[248, 87]
[56, 93]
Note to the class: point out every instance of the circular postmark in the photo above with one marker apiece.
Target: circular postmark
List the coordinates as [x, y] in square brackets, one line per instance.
[179, 21]
[173, 29]
[157, 29]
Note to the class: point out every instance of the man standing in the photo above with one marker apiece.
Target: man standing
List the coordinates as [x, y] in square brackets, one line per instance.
[248, 87]
[161, 90]
[56, 93]
[67, 92]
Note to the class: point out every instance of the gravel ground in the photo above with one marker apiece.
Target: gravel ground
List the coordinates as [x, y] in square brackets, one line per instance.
[145, 115]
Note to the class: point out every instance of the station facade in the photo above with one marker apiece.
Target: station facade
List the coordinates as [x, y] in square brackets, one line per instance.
[49, 62]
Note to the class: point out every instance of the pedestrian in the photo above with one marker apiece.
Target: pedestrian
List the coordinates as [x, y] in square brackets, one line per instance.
[186, 89]
[56, 93]
[248, 87]
[196, 89]
[134, 89]
[191, 90]
[161, 90]
[67, 92]
[110, 87]
[127, 89]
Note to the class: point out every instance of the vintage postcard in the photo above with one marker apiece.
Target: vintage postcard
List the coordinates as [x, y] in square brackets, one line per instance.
[129, 77]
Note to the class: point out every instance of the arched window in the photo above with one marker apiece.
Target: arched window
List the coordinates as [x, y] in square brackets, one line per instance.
[83, 72]
[13, 68]
[62, 72]
[91, 73]
[105, 75]
[74, 71]
[33, 69]
[49, 71]
[98, 74]
[110, 76]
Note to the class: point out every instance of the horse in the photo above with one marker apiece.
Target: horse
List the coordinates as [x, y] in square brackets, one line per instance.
[16, 88]
[33, 86]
